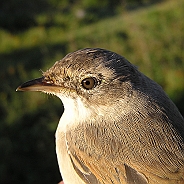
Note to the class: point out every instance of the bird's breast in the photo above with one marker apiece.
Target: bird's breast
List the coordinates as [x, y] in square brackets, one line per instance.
[66, 168]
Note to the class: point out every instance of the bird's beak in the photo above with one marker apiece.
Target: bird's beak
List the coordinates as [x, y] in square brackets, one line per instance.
[39, 84]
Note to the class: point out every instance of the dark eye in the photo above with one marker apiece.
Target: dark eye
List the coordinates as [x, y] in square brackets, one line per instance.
[89, 83]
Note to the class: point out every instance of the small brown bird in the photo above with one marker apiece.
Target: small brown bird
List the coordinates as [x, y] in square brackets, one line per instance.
[118, 125]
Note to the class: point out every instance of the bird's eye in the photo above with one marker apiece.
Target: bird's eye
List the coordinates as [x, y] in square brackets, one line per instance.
[89, 83]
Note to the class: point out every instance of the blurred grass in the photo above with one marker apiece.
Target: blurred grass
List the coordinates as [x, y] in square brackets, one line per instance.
[152, 38]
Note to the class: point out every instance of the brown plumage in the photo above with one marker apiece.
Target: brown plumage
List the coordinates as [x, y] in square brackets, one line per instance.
[118, 125]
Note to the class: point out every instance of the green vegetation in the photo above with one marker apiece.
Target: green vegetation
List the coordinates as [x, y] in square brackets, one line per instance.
[151, 37]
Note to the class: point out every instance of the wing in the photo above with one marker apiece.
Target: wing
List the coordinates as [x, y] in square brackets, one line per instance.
[100, 171]
[130, 150]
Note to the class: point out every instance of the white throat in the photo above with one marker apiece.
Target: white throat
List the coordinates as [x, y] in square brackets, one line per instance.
[75, 112]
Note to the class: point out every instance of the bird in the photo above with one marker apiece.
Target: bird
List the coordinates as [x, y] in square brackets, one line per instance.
[118, 125]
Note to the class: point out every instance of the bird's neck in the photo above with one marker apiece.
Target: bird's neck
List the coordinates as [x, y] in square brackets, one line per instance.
[75, 112]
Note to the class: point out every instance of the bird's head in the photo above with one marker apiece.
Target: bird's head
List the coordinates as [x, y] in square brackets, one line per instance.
[96, 75]
[91, 82]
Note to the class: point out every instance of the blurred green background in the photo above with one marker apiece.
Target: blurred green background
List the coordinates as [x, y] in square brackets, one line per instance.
[34, 34]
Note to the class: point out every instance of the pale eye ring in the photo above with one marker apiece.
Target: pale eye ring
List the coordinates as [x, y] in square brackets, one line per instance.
[89, 83]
